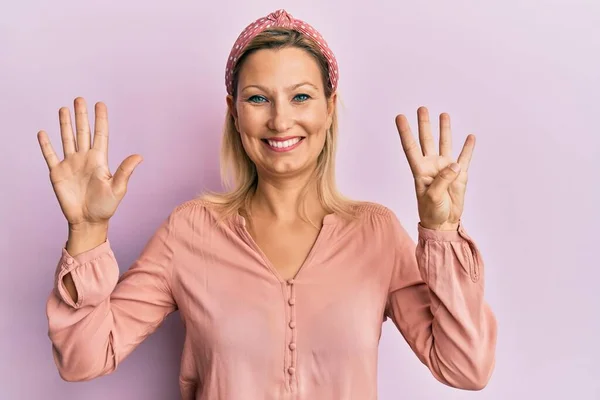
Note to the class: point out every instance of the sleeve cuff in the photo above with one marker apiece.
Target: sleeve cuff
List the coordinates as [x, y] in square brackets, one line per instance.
[68, 260]
[69, 264]
[443, 236]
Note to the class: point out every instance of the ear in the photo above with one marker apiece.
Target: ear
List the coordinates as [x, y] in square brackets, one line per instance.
[232, 110]
[331, 105]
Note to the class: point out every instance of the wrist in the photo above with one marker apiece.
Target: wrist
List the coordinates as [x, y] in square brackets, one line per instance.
[87, 226]
[86, 236]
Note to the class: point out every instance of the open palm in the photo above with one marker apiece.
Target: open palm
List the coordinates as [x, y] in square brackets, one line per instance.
[86, 190]
[439, 187]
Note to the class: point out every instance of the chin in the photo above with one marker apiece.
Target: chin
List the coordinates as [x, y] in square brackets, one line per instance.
[288, 168]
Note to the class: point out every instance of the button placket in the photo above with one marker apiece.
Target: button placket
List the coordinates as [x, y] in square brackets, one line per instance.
[292, 324]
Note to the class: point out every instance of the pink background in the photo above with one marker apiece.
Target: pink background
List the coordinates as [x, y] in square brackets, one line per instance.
[521, 75]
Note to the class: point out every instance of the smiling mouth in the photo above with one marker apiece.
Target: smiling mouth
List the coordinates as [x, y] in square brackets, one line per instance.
[283, 145]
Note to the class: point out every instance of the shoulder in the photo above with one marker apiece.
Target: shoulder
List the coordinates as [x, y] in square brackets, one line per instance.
[191, 205]
[379, 220]
[365, 210]
[197, 212]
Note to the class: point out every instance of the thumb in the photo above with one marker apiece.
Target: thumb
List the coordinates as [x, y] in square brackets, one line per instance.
[121, 177]
[443, 180]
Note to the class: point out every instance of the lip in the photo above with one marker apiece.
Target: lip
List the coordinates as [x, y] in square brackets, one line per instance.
[282, 139]
[283, 150]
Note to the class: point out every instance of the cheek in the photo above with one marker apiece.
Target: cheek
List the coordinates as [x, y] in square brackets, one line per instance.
[319, 131]
[250, 144]
[251, 122]
[315, 122]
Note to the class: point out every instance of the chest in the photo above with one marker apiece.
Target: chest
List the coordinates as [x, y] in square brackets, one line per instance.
[234, 307]
[254, 322]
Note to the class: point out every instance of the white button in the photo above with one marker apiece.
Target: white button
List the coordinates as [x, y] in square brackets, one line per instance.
[70, 261]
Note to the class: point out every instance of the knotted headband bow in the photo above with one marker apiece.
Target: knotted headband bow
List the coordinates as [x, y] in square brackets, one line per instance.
[279, 19]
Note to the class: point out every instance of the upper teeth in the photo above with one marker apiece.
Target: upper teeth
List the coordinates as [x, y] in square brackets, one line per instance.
[286, 143]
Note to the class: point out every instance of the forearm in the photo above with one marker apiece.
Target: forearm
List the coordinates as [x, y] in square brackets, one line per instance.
[113, 313]
[464, 327]
[463, 341]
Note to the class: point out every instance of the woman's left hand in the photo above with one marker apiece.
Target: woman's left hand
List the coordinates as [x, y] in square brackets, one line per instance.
[440, 189]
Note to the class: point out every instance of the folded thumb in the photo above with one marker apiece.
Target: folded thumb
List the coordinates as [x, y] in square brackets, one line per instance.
[443, 180]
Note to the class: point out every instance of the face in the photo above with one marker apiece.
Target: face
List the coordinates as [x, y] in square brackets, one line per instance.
[281, 112]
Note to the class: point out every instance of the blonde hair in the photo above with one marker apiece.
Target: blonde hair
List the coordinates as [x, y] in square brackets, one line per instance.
[238, 172]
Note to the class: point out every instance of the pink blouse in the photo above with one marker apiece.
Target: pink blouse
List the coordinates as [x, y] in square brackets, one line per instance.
[252, 335]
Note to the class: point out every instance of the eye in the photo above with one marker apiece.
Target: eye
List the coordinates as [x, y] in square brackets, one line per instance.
[301, 97]
[256, 99]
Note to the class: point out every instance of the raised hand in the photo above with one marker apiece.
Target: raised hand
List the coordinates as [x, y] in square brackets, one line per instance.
[87, 192]
[440, 182]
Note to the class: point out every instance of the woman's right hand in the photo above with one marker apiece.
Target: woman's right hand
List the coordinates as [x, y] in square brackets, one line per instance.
[87, 192]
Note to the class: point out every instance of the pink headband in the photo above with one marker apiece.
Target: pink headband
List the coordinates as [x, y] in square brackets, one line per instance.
[279, 18]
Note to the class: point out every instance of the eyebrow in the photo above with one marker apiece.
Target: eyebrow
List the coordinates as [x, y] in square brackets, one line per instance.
[293, 87]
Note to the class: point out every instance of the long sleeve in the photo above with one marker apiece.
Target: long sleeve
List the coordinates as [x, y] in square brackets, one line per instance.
[113, 314]
[436, 300]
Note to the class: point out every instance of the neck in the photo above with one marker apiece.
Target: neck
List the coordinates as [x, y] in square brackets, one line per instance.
[280, 199]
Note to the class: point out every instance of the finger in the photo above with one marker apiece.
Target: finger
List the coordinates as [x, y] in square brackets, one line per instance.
[442, 181]
[425, 137]
[445, 136]
[101, 129]
[82, 125]
[66, 131]
[47, 150]
[409, 145]
[123, 173]
[464, 158]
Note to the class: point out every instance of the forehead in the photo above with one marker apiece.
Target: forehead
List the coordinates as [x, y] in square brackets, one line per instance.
[289, 64]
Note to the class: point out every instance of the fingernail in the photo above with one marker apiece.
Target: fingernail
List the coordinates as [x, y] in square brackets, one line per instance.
[455, 167]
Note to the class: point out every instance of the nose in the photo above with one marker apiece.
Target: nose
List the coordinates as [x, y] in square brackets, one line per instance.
[282, 116]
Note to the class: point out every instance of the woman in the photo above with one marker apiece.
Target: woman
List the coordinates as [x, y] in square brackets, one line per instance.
[281, 282]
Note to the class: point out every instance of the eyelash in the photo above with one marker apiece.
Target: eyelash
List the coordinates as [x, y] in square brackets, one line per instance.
[252, 99]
